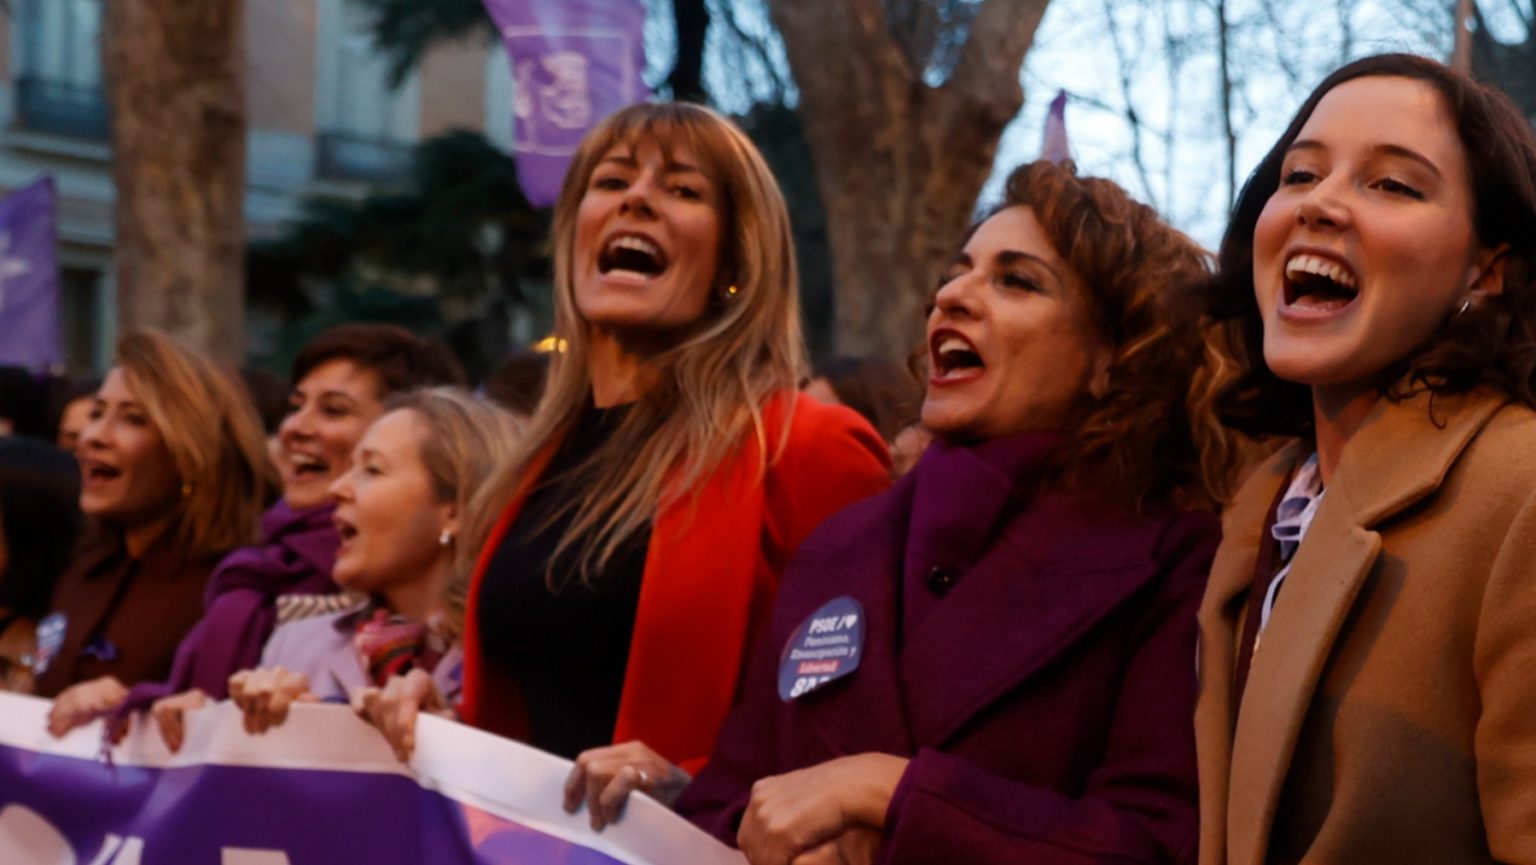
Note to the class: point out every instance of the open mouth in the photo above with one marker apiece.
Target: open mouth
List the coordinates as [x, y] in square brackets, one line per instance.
[344, 529]
[95, 471]
[306, 466]
[634, 255]
[1317, 283]
[954, 357]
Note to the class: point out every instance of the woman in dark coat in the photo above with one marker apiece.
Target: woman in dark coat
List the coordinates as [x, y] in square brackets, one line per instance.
[993, 662]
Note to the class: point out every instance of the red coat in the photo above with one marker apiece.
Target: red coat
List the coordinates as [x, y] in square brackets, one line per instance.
[711, 573]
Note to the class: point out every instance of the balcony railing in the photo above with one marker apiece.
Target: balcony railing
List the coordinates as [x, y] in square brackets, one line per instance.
[62, 108]
[348, 156]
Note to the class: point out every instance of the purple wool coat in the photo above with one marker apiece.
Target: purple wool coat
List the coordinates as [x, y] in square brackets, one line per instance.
[1045, 699]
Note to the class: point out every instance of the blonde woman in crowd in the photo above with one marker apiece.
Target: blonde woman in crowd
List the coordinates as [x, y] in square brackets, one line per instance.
[633, 546]
[400, 512]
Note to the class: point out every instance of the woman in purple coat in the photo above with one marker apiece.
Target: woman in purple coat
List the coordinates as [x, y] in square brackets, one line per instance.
[994, 661]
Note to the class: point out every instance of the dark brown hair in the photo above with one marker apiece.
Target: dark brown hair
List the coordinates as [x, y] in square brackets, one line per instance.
[1493, 343]
[401, 359]
[886, 393]
[1153, 435]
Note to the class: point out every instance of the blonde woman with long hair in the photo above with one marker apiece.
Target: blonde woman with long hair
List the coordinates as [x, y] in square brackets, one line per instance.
[175, 474]
[400, 511]
[633, 545]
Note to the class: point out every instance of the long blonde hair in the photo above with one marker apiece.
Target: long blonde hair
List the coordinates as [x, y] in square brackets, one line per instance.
[710, 388]
[213, 435]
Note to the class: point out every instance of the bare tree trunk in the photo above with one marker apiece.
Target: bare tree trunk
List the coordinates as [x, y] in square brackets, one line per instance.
[1461, 49]
[899, 162]
[687, 78]
[175, 73]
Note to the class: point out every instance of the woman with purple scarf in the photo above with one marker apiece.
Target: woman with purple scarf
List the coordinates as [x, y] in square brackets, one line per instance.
[993, 661]
[342, 379]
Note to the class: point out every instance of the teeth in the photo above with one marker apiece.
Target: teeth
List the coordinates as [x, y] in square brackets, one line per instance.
[305, 460]
[1320, 267]
[638, 244]
[954, 343]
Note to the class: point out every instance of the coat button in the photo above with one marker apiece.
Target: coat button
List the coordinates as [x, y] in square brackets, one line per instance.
[940, 580]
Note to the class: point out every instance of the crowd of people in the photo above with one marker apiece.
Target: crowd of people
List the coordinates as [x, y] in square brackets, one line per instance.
[1007, 609]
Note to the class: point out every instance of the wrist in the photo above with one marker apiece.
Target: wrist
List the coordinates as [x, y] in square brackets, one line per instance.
[881, 776]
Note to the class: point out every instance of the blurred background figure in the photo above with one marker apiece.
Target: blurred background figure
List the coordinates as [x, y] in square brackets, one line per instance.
[69, 409]
[518, 384]
[21, 403]
[39, 521]
[886, 394]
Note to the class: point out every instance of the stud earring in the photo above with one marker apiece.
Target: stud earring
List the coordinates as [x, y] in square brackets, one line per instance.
[445, 538]
[731, 291]
[1465, 305]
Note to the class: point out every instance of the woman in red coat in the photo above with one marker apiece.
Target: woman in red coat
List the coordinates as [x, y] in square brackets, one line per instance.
[994, 661]
[634, 543]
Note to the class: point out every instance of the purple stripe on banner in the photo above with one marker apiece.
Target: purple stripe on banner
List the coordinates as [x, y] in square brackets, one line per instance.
[321, 788]
[574, 62]
[196, 813]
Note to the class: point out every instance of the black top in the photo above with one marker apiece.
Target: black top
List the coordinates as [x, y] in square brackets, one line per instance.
[567, 647]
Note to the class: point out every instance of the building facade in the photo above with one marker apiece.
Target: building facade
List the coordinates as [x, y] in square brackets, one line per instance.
[322, 121]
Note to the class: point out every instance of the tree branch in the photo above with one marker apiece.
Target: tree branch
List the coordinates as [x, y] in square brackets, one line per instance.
[1122, 62]
[987, 72]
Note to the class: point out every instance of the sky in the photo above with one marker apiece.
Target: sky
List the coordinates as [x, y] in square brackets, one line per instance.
[1166, 67]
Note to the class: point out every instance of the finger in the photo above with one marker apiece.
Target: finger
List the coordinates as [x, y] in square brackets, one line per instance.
[363, 701]
[827, 853]
[277, 708]
[237, 685]
[59, 721]
[168, 720]
[250, 712]
[575, 786]
[610, 803]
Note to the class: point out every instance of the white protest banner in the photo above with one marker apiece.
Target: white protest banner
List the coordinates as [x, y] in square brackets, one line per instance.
[322, 788]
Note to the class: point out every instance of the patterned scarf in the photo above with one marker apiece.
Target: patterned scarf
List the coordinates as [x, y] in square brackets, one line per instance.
[392, 645]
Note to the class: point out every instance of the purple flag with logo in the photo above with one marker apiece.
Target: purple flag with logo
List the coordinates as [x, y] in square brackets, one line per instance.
[574, 62]
[29, 279]
[1053, 144]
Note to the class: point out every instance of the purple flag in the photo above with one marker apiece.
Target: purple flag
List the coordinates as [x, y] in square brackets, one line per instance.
[574, 62]
[1053, 144]
[29, 279]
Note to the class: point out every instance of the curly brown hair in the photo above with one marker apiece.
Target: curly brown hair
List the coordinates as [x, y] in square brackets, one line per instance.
[1153, 436]
[1491, 344]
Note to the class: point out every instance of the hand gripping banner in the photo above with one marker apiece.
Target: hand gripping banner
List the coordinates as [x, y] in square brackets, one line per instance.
[322, 788]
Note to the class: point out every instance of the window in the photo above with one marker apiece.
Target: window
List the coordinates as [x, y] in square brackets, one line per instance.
[59, 88]
[366, 128]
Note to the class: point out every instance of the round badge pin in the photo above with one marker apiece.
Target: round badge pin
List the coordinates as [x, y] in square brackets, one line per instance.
[827, 646]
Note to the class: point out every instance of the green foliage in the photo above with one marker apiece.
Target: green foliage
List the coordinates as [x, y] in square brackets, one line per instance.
[406, 29]
[456, 234]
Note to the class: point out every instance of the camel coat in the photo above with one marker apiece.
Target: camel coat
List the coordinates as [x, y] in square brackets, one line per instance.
[1390, 709]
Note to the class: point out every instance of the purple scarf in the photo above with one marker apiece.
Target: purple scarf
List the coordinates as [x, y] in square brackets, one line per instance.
[297, 551]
